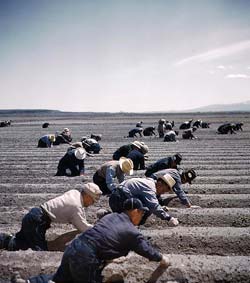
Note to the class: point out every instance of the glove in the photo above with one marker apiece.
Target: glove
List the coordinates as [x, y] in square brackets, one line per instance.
[173, 221]
[165, 262]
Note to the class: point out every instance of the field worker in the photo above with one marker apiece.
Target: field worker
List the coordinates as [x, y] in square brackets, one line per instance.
[183, 177]
[226, 128]
[147, 190]
[46, 141]
[149, 131]
[91, 145]
[63, 137]
[139, 124]
[113, 236]
[188, 134]
[72, 163]
[133, 133]
[164, 163]
[125, 149]
[161, 128]
[170, 136]
[105, 176]
[67, 208]
[137, 155]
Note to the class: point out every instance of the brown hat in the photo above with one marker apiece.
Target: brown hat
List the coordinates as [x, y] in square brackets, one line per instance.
[92, 190]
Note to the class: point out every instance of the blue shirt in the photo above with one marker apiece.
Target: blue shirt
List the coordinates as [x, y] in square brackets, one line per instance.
[177, 188]
[114, 236]
[138, 159]
[144, 189]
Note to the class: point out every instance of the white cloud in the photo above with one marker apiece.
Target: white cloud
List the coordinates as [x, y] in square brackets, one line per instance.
[216, 53]
[221, 67]
[237, 76]
[248, 67]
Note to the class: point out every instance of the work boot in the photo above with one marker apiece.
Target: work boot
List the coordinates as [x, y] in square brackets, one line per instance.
[16, 278]
[4, 240]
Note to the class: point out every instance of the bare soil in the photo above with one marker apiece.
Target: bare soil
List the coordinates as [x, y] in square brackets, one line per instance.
[212, 244]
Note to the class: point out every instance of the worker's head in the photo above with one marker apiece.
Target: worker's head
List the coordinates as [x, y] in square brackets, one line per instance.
[80, 153]
[90, 194]
[136, 145]
[52, 138]
[126, 165]
[141, 146]
[135, 210]
[187, 176]
[177, 158]
[164, 184]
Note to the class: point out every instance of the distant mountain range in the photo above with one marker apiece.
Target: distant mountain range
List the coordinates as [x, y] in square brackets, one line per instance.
[235, 107]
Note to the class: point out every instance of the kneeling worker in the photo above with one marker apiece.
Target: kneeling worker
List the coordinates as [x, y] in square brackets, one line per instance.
[67, 208]
[113, 236]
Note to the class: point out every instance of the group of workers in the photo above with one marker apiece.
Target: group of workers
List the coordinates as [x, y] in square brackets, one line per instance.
[132, 200]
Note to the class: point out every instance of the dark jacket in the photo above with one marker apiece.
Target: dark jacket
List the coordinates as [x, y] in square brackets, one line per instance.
[160, 164]
[122, 151]
[115, 235]
[138, 159]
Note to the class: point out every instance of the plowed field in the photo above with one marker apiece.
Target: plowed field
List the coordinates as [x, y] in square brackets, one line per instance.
[211, 244]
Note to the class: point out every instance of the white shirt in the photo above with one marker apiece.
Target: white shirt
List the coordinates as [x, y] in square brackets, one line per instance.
[68, 208]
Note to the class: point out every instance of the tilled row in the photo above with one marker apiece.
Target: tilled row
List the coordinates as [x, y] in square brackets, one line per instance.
[184, 268]
[205, 201]
[234, 217]
[53, 185]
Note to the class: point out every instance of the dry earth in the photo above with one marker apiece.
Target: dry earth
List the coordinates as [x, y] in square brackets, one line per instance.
[211, 244]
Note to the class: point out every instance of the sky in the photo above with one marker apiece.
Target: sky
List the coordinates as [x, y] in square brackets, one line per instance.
[129, 55]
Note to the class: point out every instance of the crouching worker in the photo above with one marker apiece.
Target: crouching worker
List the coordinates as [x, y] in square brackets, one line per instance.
[180, 177]
[72, 163]
[67, 208]
[46, 141]
[105, 176]
[147, 190]
[113, 236]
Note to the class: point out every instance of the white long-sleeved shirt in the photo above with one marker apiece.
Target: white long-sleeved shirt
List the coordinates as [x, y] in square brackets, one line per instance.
[68, 208]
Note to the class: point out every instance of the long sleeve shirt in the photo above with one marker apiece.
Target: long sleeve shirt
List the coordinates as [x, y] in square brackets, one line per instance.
[163, 163]
[46, 140]
[138, 159]
[115, 235]
[109, 171]
[145, 190]
[67, 208]
[177, 188]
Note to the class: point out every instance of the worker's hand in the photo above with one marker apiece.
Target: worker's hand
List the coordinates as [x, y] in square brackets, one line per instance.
[194, 206]
[165, 262]
[173, 221]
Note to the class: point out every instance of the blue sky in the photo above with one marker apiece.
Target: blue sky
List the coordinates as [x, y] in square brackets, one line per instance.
[123, 55]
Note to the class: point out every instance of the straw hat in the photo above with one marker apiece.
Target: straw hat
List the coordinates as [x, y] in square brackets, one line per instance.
[52, 138]
[126, 165]
[80, 153]
[170, 181]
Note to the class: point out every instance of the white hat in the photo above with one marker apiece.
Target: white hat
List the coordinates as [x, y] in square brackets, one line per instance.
[92, 190]
[137, 144]
[66, 130]
[126, 165]
[80, 153]
[170, 181]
